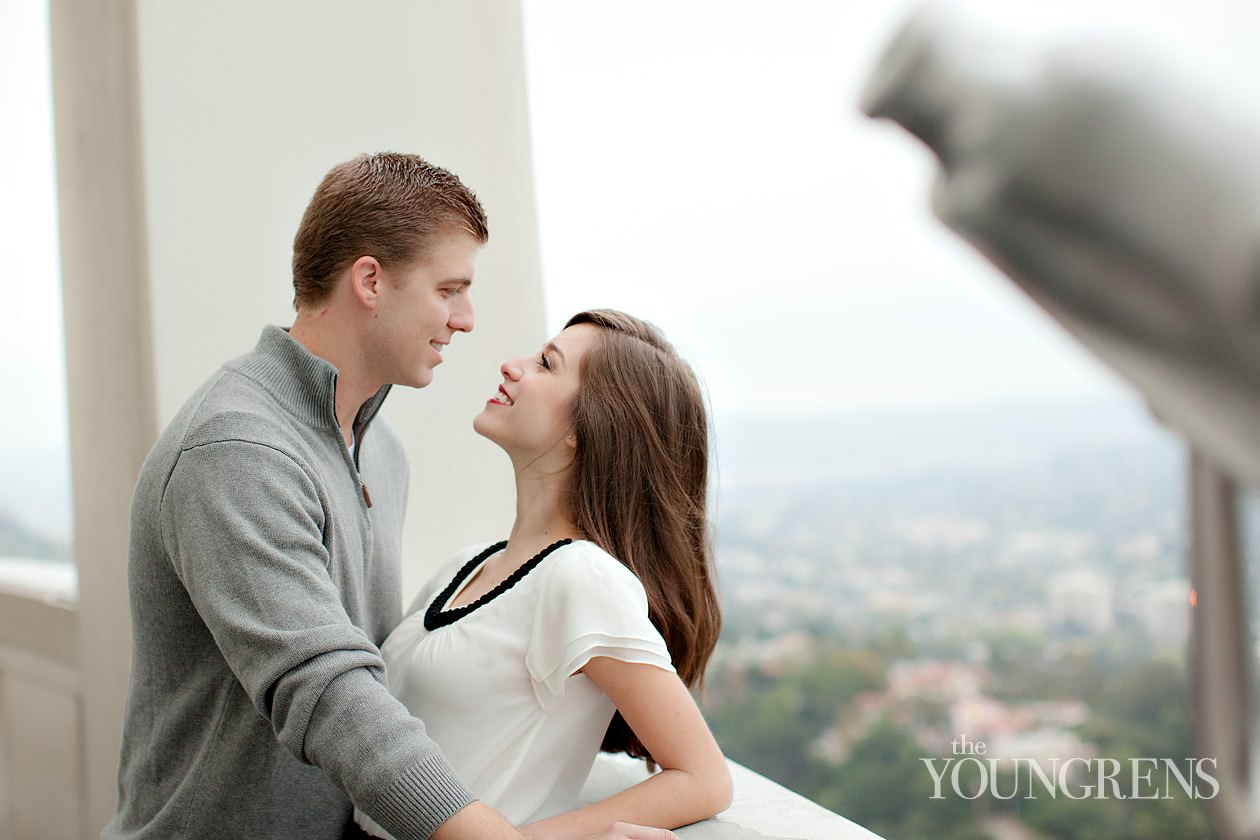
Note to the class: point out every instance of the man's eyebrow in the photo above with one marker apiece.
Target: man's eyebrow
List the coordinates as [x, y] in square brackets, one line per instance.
[551, 346]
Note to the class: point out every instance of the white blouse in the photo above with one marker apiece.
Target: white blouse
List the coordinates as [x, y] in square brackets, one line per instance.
[495, 682]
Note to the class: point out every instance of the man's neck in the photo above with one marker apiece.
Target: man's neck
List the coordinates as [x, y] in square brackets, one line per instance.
[313, 330]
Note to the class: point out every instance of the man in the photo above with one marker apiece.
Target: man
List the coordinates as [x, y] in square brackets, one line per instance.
[265, 538]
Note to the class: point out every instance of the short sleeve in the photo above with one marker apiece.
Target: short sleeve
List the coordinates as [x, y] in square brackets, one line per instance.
[591, 605]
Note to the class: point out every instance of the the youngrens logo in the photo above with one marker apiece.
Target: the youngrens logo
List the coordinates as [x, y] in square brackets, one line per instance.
[969, 774]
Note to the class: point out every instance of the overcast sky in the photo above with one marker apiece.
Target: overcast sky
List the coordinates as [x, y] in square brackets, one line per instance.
[701, 164]
[32, 359]
[704, 164]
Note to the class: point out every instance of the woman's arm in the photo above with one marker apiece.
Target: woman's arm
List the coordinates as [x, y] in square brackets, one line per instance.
[479, 822]
[694, 782]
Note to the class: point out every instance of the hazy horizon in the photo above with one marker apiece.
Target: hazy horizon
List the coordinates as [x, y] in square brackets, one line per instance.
[754, 448]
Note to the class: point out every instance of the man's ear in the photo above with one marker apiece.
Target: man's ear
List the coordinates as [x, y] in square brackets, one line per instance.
[365, 280]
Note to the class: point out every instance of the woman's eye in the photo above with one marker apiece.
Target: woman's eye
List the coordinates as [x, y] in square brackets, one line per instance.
[543, 362]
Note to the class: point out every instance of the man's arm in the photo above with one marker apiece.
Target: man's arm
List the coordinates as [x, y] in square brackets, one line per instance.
[243, 524]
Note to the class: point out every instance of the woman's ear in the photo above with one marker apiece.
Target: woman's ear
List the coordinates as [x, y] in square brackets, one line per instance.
[571, 440]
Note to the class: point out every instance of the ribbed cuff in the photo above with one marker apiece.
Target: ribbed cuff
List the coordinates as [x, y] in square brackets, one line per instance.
[426, 796]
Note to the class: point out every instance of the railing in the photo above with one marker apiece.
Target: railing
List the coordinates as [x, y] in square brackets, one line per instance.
[41, 705]
[761, 810]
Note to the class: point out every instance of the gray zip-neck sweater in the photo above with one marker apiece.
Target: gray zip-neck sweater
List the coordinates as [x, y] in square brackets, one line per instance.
[263, 573]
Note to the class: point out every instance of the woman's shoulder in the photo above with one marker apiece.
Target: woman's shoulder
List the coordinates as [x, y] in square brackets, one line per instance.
[591, 605]
[584, 554]
[582, 561]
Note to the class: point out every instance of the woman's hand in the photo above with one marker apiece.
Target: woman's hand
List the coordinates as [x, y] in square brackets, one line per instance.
[616, 831]
[627, 831]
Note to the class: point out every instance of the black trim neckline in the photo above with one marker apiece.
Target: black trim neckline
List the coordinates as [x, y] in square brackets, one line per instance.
[435, 616]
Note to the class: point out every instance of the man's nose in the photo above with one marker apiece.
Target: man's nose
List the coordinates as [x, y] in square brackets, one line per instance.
[462, 317]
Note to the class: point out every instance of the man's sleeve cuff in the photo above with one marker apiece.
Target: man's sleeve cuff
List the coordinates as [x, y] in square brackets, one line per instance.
[424, 797]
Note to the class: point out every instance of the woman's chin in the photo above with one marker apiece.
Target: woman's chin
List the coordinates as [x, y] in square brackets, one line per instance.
[484, 426]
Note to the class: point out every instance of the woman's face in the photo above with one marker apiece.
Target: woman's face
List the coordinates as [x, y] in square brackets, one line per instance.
[530, 414]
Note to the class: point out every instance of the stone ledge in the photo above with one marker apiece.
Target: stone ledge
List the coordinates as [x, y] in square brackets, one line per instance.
[48, 581]
[38, 618]
[762, 810]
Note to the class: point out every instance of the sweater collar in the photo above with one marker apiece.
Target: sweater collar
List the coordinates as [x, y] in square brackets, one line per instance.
[301, 381]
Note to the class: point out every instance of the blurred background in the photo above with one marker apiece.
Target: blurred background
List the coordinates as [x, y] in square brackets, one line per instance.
[935, 514]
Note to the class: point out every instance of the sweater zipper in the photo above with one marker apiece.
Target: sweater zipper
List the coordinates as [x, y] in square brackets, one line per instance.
[359, 434]
[354, 464]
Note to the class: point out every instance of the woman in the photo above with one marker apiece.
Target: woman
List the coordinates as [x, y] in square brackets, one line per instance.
[587, 626]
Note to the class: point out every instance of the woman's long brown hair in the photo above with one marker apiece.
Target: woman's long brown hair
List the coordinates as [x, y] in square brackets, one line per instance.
[640, 486]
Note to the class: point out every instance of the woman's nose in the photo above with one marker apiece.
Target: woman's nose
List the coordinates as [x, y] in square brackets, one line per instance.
[511, 369]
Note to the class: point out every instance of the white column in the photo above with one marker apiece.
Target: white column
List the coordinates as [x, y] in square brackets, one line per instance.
[190, 136]
[108, 362]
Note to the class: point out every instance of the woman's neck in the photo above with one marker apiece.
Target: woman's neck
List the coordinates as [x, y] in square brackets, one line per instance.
[541, 513]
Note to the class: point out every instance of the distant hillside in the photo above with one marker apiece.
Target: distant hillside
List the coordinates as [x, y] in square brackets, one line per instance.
[786, 450]
[35, 490]
[1034, 436]
[18, 541]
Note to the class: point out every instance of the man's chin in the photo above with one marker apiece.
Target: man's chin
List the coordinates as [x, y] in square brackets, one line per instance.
[420, 380]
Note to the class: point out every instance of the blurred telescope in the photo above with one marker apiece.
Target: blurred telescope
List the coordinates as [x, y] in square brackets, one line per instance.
[1125, 201]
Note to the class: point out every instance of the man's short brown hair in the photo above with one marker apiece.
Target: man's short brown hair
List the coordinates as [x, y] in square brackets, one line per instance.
[386, 205]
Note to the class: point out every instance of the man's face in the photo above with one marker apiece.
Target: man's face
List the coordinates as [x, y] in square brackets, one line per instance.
[422, 305]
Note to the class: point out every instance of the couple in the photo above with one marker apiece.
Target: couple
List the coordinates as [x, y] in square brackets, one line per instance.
[274, 688]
